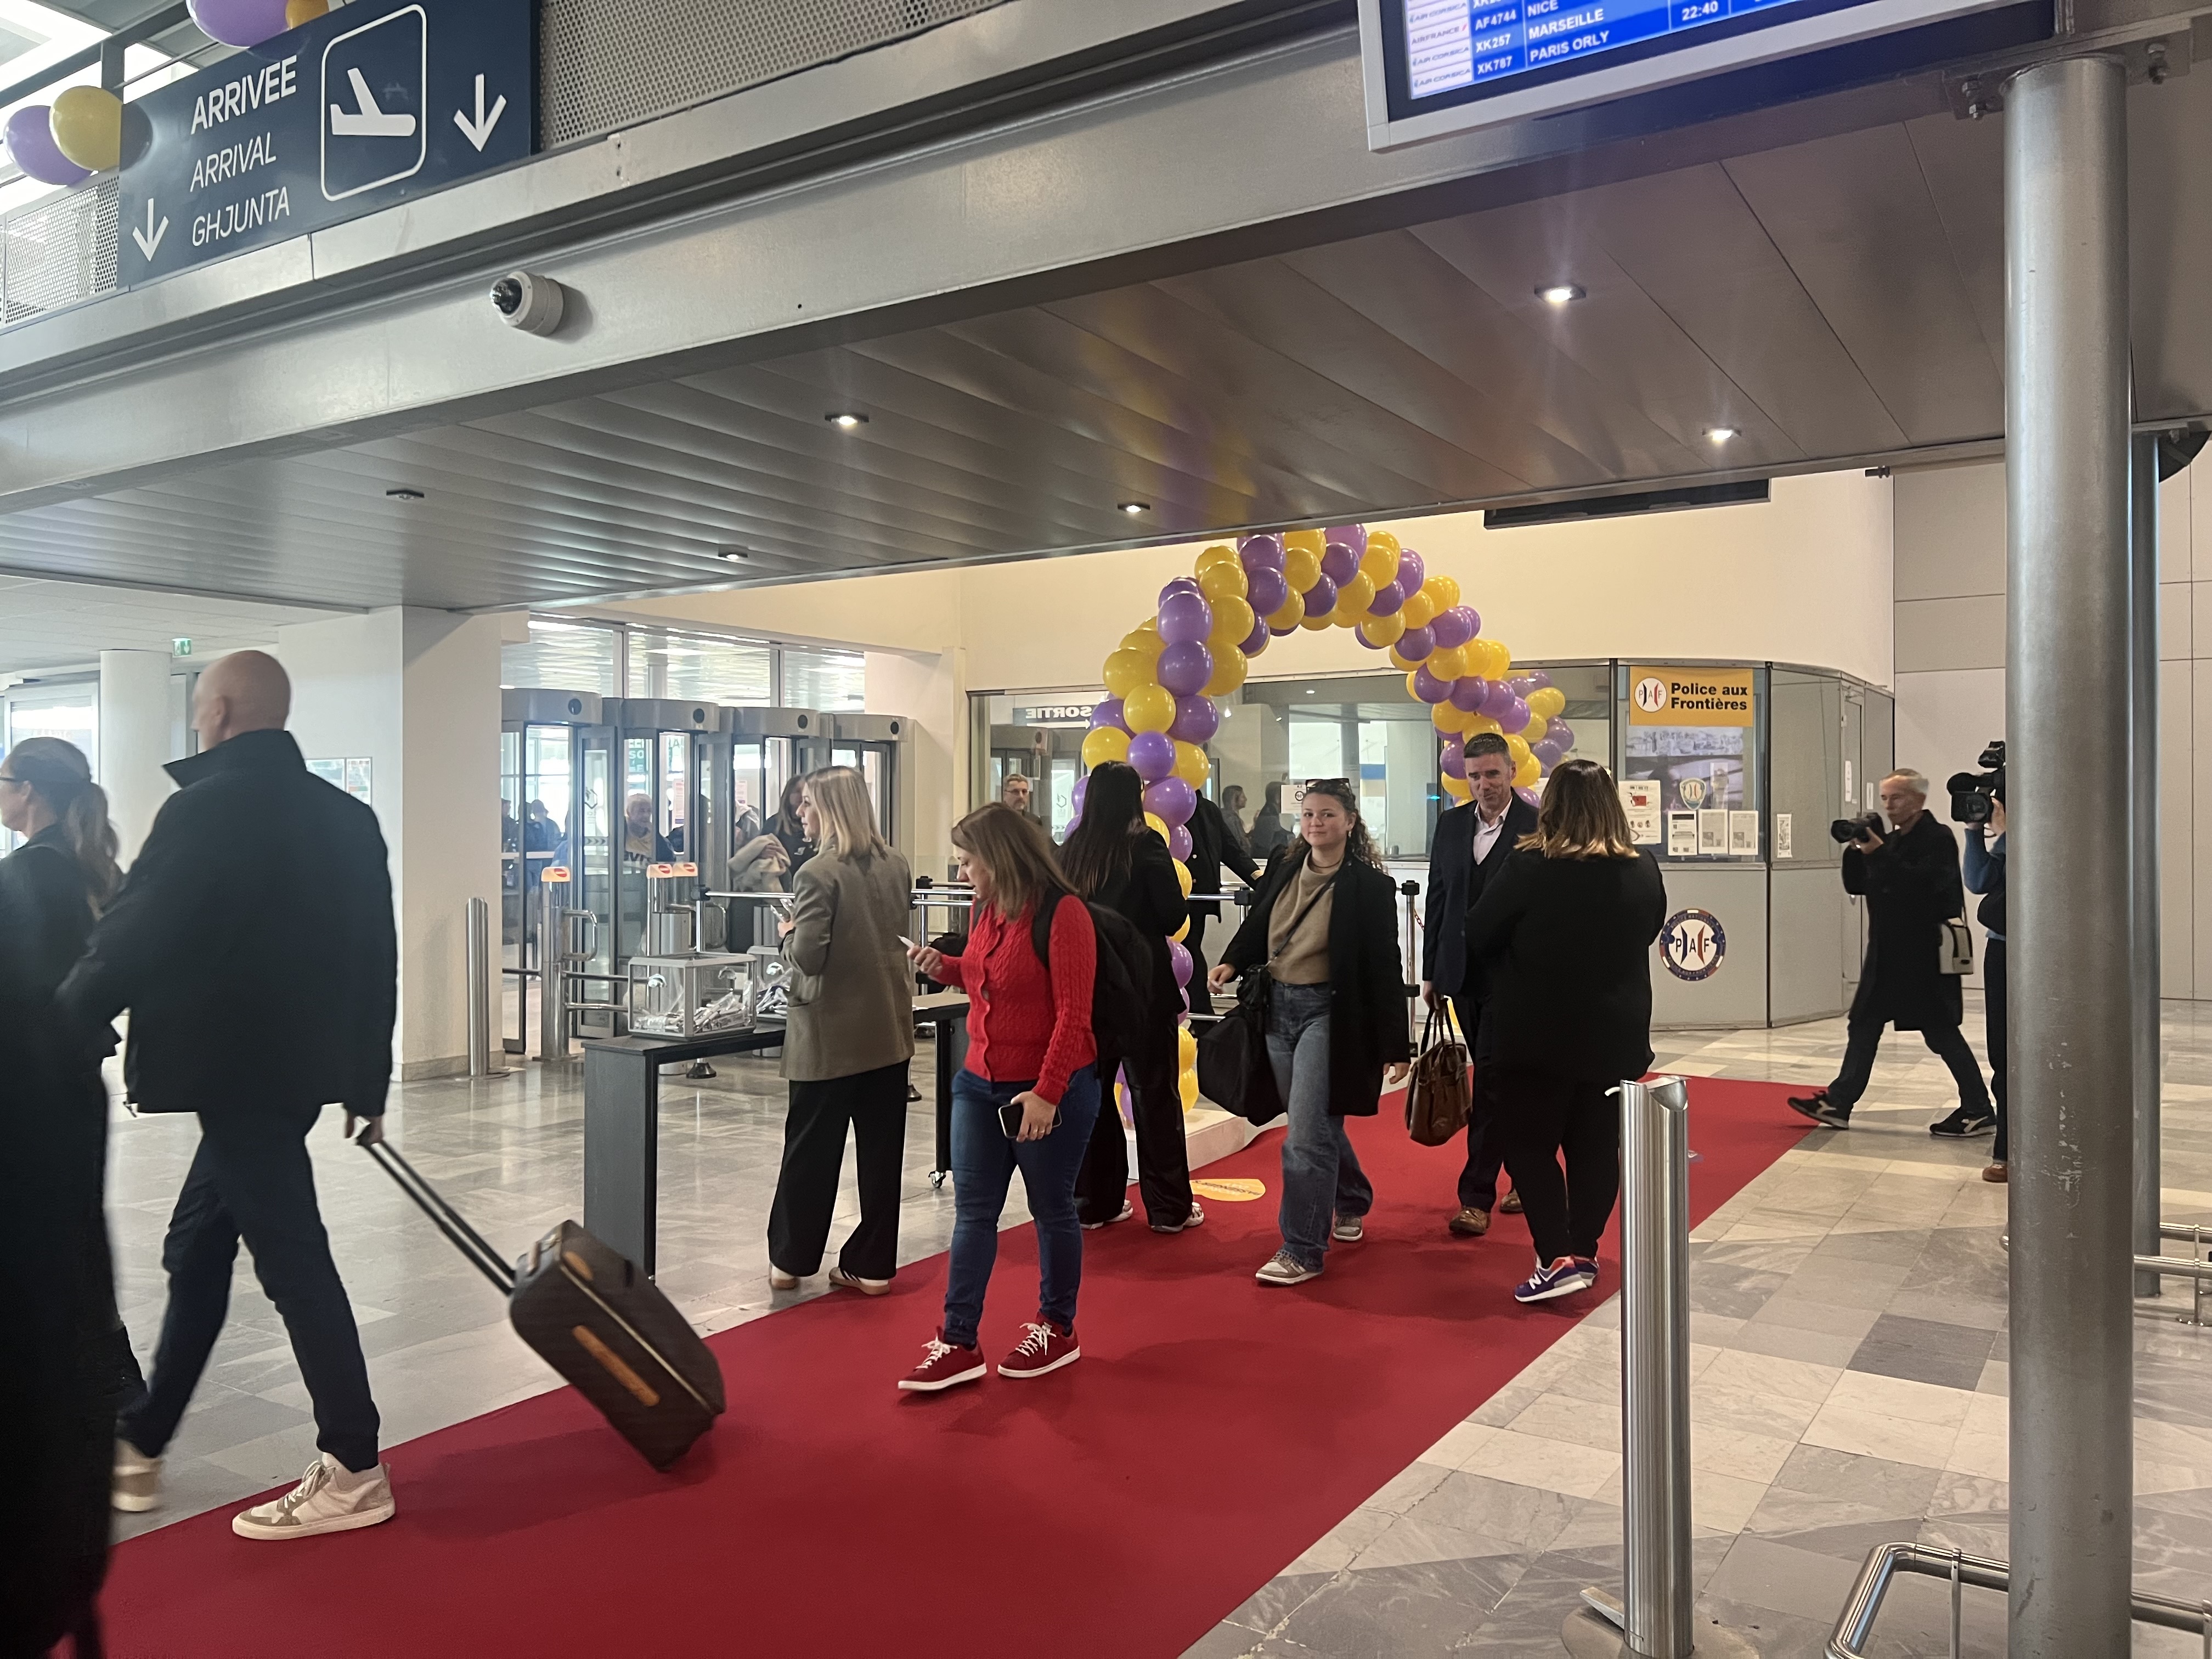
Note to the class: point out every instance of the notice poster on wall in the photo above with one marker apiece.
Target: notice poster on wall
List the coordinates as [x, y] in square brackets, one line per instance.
[1682, 835]
[350, 773]
[1743, 835]
[1712, 835]
[1782, 848]
[1639, 798]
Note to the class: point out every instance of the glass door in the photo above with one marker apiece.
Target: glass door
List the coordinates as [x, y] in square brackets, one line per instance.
[873, 761]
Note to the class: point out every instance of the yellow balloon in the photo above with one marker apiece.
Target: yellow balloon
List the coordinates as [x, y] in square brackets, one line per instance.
[1182, 877]
[1186, 1084]
[1316, 622]
[1356, 595]
[1292, 613]
[1311, 540]
[88, 128]
[1191, 764]
[1477, 724]
[1219, 553]
[1550, 702]
[1125, 671]
[1383, 630]
[1443, 590]
[1528, 774]
[1517, 748]
[1400, 660]
[1232, 620]
[1497, 661]
[1224, 581]
[1379, 563]
[1533, 733]
[1231, 665]
[1146, 645]
[1445, 717]
[1186, 1050]
[1384, 539]
[1103, 744]
[1301, 568]
[1418, 610]
[1150, 708]
[1457, 788]
[1157, 824]
[1448, 662]
[1182, 931]
[297, 12]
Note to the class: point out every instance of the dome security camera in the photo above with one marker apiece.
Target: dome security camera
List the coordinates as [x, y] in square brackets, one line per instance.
[528, 302]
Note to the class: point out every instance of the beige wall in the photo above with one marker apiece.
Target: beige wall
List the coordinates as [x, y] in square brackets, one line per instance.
[1950, 538]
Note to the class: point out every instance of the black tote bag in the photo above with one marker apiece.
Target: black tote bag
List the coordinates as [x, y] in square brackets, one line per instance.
[1233, 1069]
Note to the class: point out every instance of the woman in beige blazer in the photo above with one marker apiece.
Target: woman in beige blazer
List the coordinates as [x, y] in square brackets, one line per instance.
[848, 1037]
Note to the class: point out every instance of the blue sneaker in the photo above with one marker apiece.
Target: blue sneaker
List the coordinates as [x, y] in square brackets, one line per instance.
[1563, 1278]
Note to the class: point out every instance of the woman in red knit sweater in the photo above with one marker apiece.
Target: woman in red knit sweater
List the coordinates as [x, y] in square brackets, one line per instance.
[1029, 1070]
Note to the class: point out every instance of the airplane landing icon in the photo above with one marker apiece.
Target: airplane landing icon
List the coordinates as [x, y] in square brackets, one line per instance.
[368, 121]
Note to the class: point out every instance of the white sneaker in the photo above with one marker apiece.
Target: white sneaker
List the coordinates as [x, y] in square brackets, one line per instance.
[136, 1485]
[1348, 1229]
[330, 1498]
[1281, 1270]
[1128, 1210]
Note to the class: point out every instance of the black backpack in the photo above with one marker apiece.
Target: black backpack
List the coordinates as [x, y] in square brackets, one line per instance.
[1120, 988]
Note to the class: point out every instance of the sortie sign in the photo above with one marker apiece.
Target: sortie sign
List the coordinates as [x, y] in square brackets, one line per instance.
[1692, 696]
[370, 105]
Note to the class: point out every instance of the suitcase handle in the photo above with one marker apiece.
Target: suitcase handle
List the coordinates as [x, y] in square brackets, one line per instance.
[466, 1239]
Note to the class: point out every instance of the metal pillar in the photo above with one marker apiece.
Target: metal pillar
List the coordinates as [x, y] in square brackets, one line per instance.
[2066, 480]
[1655, 1361]
[2142, 806]
[482, 1028]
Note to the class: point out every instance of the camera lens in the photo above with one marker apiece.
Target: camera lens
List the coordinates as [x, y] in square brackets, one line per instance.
[506, 294]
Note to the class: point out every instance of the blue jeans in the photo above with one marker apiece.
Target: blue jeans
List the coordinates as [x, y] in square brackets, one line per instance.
[983, 1164]
[1322, 1177]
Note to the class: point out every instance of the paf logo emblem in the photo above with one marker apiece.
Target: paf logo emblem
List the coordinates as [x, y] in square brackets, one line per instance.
[1693, 791]
[1693, 943]
[1650, 694]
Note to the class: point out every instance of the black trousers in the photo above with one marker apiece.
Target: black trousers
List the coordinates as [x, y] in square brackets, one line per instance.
[874, 1103]
[1486, 1144]
[1943, 1041]
[1993, 1028]
[1544, 1116]
[252, 1179]
[1162, 1154]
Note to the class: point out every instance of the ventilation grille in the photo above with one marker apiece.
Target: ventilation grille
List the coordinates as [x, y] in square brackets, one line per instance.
[604, 64]
[57, 252]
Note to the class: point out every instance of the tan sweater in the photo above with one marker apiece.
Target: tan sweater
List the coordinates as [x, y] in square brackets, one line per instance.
[1303, 960]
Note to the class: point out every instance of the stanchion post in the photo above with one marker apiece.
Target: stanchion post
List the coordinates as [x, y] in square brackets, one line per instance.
[553, 971]
[1655, 1358]
[479, 991]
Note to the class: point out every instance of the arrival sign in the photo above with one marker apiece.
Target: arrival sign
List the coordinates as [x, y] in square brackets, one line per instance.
[370, 105]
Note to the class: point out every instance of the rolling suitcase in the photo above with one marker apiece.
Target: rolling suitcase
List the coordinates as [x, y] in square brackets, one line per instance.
[589, 1313]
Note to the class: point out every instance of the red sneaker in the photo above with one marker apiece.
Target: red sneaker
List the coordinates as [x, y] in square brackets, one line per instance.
[1042, 1348]
[943, 1366]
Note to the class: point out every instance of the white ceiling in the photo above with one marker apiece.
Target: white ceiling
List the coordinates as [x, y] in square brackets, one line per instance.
[45, 624]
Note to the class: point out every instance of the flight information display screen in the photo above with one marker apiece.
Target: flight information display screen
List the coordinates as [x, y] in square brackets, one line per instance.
[1453, 44]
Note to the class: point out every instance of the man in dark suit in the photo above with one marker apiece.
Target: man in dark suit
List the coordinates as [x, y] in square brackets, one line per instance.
[1212, 846]
[254, 946]
[1472, 845]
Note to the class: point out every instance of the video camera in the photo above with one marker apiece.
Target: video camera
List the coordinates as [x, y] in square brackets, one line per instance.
[1845, 831]
[1974, 793]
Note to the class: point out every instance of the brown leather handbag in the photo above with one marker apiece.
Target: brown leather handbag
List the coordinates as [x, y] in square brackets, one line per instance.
[1438, 1098]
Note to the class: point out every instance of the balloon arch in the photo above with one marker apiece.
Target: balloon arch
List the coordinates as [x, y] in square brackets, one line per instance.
[1198, 645]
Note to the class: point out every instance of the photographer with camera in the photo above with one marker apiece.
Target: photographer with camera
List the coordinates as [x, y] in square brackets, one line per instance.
[1910, 879]
[1978, 800]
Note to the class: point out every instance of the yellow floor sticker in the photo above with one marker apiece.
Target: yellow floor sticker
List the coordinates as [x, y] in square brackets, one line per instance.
[1233, 1189]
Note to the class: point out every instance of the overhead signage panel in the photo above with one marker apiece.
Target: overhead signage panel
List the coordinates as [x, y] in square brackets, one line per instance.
[1434, 67]
[373, 103]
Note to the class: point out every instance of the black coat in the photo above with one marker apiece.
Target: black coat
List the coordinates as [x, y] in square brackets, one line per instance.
[1911, 886]
[253, 942]
[1456, 883]
[1574, 937]
[1149, 895]
[1212, 846]
[1367, 1026]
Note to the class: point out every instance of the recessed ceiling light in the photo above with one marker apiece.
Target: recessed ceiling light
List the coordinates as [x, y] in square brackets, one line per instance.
[1720, 434]
[845, 419]
[734, 554]
[405, 495]
[1134, 507]
[1561, 293]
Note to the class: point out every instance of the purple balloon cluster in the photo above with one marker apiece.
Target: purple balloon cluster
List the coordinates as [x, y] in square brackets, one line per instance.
[30, 143]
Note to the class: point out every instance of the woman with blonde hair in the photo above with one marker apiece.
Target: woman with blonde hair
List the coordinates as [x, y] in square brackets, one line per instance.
[847, 1039]
[1573, 913]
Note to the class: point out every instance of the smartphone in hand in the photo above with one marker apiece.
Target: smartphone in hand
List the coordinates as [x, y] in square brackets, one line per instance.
[1010, 1119]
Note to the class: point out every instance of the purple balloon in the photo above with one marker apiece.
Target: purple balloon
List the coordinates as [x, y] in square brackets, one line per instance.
[1181, 584]
[1172, 799]
[1530, 796]
[1548, 752]
[1514, 718]
[239, 22]
[1109, 712]
[1521, 685]
[1497, 698]
[1196, 719]
[1539, 678]
[1185, 619]
[1428, 688]
[1412, 573]
[1179, 960]
[1467, 692]
[1339, 562]
[1076, 796]
[1179, 843]
[1184, 668]
[1415, 643]
[1269, 591]
[1560, 732]
[1455, 762]
[1353, 534]
[1473, 619]
[1387, 600]
[1256, 641]
[1320, 597]
[1258, 553]
[1152, 753]
[1450, 628]
[30, 137]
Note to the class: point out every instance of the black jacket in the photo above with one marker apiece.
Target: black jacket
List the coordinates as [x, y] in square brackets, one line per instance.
[1576, 934]
[1456, 883]
[1367, 1026]
[1212, 846]
[1149, 895]
[1911, 886]
[253, 942]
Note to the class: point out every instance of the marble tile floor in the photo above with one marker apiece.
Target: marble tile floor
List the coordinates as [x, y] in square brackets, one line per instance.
[1849, 1365]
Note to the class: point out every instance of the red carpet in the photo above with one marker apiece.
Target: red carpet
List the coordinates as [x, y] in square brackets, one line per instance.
[1213, 1429]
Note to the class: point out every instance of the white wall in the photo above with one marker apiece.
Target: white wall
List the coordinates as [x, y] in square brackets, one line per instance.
[416, 692]
[1950, 538]
[135, 742]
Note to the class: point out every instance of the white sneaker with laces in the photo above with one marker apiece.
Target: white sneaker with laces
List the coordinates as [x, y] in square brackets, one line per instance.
[136, 1485]
[1282, 1270]
[1348, 1229]
[330, 1498]
[1128, 1210]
